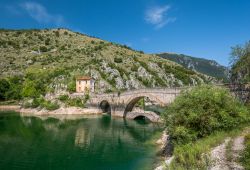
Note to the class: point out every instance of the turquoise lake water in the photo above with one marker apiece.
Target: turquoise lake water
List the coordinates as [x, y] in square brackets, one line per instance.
[99, 143]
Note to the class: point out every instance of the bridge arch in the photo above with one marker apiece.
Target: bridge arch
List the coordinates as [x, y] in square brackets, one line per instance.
[132, 102]
[105, 106]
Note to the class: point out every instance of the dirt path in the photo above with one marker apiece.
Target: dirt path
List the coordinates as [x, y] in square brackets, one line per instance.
[225, 156]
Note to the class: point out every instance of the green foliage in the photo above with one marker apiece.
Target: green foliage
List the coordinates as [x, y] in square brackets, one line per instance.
[245, 159]
[63, 98]
[43, 49]
[14, 91]
[117, 60]
[134, 68]
[201, 111]
[49, 105]
[47, 41]
[241, 63]
[32, 103]
[30, 89]
[72, 85]
[77, 102]
[4, 87]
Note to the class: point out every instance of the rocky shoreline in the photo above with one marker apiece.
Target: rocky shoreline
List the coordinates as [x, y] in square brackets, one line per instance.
[60, 111]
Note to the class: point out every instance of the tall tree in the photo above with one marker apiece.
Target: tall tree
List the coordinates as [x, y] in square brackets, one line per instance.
[240, 63]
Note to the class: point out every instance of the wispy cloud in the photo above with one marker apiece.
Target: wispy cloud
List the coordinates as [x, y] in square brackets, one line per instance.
[39, 13]
[158, 16]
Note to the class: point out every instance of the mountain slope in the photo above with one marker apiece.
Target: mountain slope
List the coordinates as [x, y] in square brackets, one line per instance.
[59, 55]
[208, 67]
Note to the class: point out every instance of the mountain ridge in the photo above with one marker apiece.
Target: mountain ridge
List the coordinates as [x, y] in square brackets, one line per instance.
[205, 66]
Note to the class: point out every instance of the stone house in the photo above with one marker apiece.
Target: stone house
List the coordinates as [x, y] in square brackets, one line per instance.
[85, 84]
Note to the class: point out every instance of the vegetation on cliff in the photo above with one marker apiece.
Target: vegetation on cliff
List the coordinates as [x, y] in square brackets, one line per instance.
[55, 57]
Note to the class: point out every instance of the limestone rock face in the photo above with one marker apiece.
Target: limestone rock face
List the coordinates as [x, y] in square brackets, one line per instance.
[142, 72]
[132, 83]
[119, 83]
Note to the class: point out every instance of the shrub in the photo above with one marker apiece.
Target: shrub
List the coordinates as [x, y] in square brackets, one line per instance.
[32, 103]
[30, 89]
[63, 97]
[43, 49]
[57, 33]
[71, 87]
[14, 91]
[47, 41]
[50, 105]
[201, 111]
[75, 102]
[118, 60]
[4, 87]
[134, 68]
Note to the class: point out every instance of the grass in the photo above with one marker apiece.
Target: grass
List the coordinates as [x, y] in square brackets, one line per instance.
[245, 159]
[196, 155]
[229, 152]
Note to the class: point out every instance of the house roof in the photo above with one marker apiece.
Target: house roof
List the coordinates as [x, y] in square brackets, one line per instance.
[84, 78]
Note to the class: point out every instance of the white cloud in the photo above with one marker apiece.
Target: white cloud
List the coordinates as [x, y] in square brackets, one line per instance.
[39, 13]
[158, 16]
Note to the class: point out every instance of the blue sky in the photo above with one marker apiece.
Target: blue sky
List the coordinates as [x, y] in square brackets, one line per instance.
[201, 28]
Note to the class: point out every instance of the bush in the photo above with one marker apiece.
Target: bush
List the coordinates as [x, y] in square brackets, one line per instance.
[47, 41]
[30, 89]
[4, 87]
[75, 102]
[201, 111]
[63, 98]
[118, 60]
[57, 33]
[49, 105]
[43, 49]
[71, 87]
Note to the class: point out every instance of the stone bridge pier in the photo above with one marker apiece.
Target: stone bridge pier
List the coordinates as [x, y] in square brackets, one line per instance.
[122, 104]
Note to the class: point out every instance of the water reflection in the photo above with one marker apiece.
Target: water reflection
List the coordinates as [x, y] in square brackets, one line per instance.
[76, 142]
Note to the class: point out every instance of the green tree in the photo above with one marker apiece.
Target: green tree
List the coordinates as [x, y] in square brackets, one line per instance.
[4, 87]
[14, 91]
[240, 62]
[30, 89]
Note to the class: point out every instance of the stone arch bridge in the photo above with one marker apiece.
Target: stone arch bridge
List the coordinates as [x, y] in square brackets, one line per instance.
[122, 104]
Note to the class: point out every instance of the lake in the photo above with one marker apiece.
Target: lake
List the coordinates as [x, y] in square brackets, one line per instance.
[76, 142]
